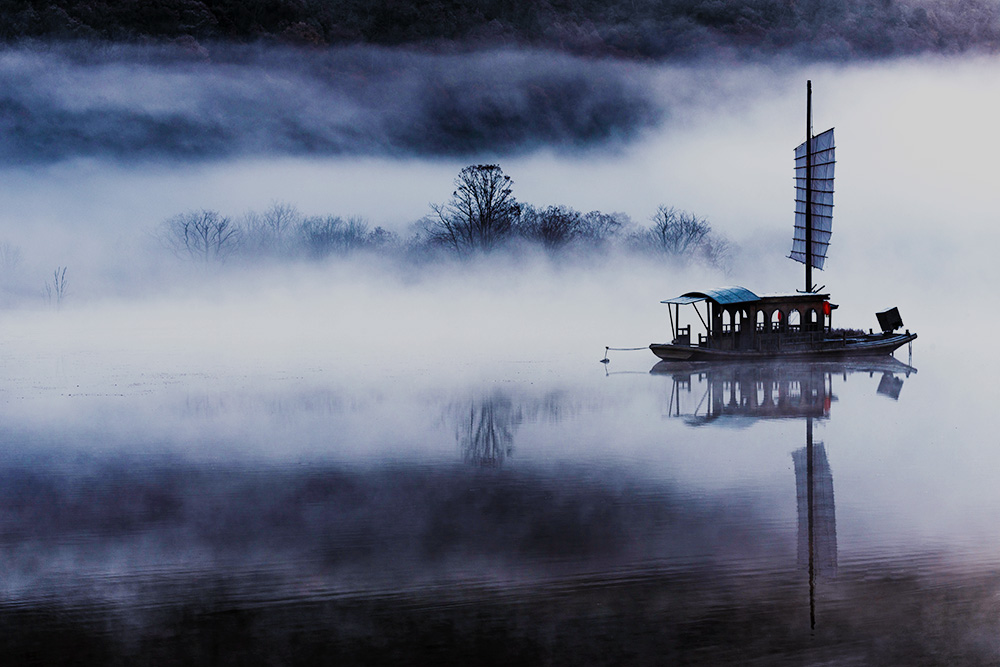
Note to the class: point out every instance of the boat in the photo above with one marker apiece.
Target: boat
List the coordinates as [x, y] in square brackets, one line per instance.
[737, 324]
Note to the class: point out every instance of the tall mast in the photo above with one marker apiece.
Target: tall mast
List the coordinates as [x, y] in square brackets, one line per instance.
[809, 133]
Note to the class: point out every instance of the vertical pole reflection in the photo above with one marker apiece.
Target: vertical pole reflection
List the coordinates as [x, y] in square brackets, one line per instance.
[810, 512]
[817, 518]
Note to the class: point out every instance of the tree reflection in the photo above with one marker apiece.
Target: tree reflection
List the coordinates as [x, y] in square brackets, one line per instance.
[485, 430]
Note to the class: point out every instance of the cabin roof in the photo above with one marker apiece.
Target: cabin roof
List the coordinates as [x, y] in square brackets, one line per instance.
[722, 296]
[735, 294]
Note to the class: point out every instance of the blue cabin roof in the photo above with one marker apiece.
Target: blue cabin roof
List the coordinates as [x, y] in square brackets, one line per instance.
[722, 296]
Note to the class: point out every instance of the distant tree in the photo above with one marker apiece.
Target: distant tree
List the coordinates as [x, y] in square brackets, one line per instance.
[204, 235]
[481, 214]
[597, 227]
[381, 238]
[271, 232]
[678, 232]
[331, 234]
[553, 227]
[717, 251]
[685, 236]
[57, 289]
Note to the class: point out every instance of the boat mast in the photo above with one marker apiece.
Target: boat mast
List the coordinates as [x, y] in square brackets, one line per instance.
[809, 132]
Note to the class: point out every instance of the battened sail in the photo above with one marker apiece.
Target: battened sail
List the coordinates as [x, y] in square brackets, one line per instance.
[819, 190]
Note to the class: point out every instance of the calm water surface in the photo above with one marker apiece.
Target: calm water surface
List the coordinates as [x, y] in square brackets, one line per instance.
[540, 512]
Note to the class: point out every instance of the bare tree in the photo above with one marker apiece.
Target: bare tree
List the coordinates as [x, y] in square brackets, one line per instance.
[325, 235]
[717, 251]
[554, 227]
[201, 235]
[677, 232]
[56, 290]
[481, 214]
[597, 227]
[684, 236]
[270, 232]
[280, 218]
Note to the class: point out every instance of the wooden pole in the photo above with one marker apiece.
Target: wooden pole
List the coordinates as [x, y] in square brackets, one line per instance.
[809, 92]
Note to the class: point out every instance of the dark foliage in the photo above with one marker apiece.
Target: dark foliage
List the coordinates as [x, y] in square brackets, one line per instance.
[637, 28]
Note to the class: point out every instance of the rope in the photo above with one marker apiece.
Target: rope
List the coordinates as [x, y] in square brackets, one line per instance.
[605, 360]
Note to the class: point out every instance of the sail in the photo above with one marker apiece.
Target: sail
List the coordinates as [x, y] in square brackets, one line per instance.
[822, 158]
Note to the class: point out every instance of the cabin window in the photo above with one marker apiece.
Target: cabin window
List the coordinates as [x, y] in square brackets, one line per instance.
[812, 317]
[761, 321]
[776, 320]
[794, 320]
[727, 321]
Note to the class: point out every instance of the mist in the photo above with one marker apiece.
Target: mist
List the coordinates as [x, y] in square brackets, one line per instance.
[384, 435]
[144, 103]
[711, 139]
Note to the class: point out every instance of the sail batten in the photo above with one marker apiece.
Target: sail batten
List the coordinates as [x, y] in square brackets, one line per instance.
[818, 199]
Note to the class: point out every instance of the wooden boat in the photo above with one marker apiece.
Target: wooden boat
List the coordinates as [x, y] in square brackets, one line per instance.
[738, 324]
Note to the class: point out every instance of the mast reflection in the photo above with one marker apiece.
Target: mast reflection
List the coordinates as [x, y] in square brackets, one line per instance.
[739, 394]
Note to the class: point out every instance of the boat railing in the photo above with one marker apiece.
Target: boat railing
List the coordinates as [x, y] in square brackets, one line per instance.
[777, 340]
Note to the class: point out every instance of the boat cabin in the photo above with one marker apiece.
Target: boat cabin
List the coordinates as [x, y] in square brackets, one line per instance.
[734, 318]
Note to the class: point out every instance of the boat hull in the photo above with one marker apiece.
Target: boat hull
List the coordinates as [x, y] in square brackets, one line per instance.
[874, 345]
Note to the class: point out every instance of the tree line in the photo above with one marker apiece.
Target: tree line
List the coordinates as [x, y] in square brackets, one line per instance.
[631, 28]
[481, 216]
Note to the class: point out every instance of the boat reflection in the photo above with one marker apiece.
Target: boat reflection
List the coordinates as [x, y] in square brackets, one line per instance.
[739, 394]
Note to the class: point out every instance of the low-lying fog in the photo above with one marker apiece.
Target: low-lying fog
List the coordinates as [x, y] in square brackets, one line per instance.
[913, 223]
[913, 228]
[295, 428]
[713, 139]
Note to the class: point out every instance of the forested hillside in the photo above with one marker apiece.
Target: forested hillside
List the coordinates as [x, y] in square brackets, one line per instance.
[632, 28]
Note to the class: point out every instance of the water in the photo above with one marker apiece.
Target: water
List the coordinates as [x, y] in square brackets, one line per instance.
[527, 510]
[428, 465]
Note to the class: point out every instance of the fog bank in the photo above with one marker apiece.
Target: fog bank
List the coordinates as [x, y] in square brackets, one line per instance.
[133, 103]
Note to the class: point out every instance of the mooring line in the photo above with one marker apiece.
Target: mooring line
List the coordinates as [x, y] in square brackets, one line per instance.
[605, 360]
